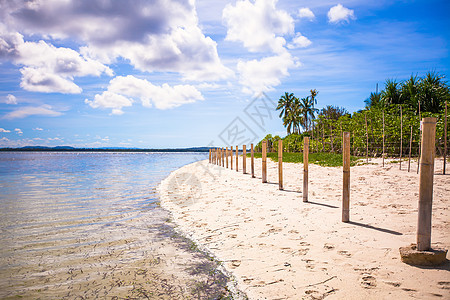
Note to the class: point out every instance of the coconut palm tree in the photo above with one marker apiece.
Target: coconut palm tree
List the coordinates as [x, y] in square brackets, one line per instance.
[307, 111]
[285, 104]
[391, 93]
[410, 91]
[433, 92]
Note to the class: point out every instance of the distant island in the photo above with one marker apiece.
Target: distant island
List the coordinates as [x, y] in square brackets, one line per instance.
[104, 149]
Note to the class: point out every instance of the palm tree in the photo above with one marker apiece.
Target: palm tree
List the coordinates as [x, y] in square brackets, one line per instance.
[410, 91]
[307, 111]
[313, 96]
[285, 104]
[433, 92]
[374, 100]
[391, 93]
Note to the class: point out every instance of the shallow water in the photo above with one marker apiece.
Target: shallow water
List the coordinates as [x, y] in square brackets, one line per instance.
[89, 225]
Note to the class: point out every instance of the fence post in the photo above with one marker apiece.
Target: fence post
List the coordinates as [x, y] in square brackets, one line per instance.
[305, 168]
[420, 141]
[384, 154]
[426, 184]
[445, 138]
[231, 156]
[410, 145]
[367, 139]
[264, 161]
[226, 157]
[280, 164]
[346, 179]
[244, 159]
[401, 136]
[223, 157]
[252, 161]
[237, 158]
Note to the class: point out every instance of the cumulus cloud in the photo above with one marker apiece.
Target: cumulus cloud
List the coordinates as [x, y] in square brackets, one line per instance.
[299, 41]
[18, 131]
[339, 13]
[23, 112]
[262, 75]
[124, 91]
[4, 130]
[258, 25]
[306, 13]
[159, 35]
[11, 99]
[47, 68]
[38, 129]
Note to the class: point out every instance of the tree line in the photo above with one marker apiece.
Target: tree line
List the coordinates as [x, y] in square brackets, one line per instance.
[401, 104]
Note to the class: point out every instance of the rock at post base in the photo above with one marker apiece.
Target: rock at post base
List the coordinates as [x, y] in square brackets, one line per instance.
[433, 257]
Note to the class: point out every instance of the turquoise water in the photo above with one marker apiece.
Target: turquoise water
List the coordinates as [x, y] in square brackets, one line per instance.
[89, 225]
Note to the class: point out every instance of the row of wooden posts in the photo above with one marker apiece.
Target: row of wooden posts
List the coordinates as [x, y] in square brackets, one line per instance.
[219, 156]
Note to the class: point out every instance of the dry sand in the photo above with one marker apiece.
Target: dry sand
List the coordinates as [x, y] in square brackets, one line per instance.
[278, 247]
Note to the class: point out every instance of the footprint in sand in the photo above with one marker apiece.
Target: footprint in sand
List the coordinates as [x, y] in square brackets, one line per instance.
[235, 263]
[368, 282]
[328, 246]
[233, 236]
[444, 285]
[344, 253]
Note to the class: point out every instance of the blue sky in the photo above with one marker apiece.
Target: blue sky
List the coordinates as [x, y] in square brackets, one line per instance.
[180, 73]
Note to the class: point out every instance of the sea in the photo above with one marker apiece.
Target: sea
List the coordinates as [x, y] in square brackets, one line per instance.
[83, 225]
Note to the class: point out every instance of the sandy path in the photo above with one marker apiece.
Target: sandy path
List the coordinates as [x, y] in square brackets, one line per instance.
[281, 248]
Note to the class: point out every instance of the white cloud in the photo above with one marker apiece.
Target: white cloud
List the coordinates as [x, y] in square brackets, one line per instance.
[23, 112]
[306, 13]
[11, 99]
[4, 130]
[122, 90]
[18, 131]
[299, 41]
[38, 129]
[339, 13]
[258, 25]
[3, 139]
[110, 100]
[159, 35]
[262, 75]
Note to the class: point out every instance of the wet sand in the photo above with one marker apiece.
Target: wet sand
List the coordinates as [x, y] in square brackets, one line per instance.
[278, 247]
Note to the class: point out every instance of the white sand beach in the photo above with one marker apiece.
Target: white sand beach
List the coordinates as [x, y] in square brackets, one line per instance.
[279, 247]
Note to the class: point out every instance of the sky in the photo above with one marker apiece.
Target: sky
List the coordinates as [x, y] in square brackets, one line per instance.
[185, 73]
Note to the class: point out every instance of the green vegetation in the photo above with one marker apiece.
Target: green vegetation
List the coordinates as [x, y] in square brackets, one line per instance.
[400, 104]
[321, 159]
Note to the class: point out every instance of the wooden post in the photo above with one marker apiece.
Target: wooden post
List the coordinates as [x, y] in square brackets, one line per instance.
[280, 164]
[346, 179]
[244, 159]
[331, 138]
[252, 161]
[426, 184]
[237, 158]
[323, 137]
[367, 139]
[223, 157]
[401, 136]
[305, 168]
[384, 154]
[420, 140]
[231, 157]
[210, 155]
[214, 156]
[410, 145]
[226, 157]
[445, 138]
[264, 161]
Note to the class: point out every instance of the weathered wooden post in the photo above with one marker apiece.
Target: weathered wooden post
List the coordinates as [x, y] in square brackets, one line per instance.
[231, 156]
[226, 156]
[420, 136]
[445, 138]
[426, 184]
[209, 155]
[264, 161]
[244, 159]
[410, 145]
[401, 136]
[367, 139]
[252, 161]
[384, 154]
[280, 164]
[305, 168]
[237, 158]
[346, 179]
[223, 157]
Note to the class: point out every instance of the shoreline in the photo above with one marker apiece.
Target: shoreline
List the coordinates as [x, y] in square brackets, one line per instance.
[278, 247]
